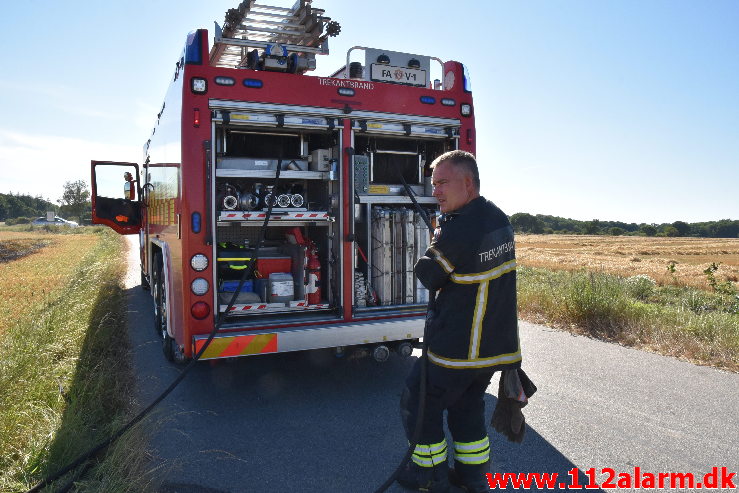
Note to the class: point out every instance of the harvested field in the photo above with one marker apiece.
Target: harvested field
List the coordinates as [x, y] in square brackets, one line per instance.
[15, 249]
[28, 279]
[631, 255]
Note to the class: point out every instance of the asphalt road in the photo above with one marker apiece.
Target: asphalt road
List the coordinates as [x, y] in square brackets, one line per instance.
[311, 423]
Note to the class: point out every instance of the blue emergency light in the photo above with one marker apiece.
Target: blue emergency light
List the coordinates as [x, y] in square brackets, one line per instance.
[196, 222]
[467, 80]
[193, 51]
[254, 83]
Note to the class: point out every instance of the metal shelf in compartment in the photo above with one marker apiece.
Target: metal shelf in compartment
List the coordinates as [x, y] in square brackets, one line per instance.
[272, 307]
[395, 199]
[270, 174]
[278, 217]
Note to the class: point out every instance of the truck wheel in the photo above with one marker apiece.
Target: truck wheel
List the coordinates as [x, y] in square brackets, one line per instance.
[160, 307]
[168, 347]
[144, 281]
[160, 296]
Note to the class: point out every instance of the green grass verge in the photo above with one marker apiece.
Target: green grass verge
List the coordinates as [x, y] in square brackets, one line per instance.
[700, 326]
[67, 383]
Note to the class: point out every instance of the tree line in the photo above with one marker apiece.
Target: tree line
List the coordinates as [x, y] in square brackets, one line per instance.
[13, 206]
[543, 224]
[74, 203]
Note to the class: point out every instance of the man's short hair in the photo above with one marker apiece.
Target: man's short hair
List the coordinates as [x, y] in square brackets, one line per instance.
[461, 160]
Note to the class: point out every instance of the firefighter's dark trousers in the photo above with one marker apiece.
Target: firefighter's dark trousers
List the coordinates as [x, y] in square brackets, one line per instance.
[461, 393]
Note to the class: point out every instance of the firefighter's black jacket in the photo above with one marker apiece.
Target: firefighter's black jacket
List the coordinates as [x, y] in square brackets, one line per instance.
[472, 262]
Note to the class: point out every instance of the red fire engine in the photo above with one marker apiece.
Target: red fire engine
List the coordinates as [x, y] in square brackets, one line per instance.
[336, 268]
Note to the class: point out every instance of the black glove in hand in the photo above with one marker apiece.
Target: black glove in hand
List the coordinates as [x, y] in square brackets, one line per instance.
[514, 389]
[507, 416]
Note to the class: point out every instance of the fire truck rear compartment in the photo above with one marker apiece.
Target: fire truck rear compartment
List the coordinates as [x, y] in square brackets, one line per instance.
[388, 235]
[295, 273]
[391, 234]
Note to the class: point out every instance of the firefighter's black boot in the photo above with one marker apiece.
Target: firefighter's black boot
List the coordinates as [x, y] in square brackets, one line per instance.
[470, 478]
[432, 479]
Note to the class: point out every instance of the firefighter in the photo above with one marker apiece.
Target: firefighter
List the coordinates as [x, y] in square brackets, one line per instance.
[472, 332]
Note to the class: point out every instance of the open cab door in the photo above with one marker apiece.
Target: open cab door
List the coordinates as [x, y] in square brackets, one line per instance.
[116, 196]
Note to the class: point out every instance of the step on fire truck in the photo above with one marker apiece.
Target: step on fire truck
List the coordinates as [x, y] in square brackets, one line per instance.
[336, 268]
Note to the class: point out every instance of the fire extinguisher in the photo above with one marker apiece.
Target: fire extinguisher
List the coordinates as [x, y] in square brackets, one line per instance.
[313, 276]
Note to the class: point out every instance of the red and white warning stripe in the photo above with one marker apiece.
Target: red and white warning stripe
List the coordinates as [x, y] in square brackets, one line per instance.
[288, 216]
[304, 304]
[273, 306]
[311, 215]
[260, 306]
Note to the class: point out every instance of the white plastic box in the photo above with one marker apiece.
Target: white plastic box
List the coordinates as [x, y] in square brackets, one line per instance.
[320, 160]
[281, 288]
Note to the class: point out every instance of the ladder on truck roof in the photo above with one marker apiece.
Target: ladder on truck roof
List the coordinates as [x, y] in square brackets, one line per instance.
[301, 30]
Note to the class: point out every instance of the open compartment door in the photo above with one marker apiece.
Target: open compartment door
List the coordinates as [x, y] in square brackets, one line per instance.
[116, 196]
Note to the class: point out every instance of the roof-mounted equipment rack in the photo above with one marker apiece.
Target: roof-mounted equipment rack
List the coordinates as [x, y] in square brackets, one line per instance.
[280, 39]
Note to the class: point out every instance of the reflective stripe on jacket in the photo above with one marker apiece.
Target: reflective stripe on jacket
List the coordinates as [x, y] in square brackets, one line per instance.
[472, 262]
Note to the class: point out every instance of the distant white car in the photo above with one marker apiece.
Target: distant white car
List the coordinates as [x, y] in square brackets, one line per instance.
[58, 221]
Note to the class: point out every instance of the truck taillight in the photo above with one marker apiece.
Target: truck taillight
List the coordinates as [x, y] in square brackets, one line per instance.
[196, 118]
[199, 286]
[199, 262]
[200, 310]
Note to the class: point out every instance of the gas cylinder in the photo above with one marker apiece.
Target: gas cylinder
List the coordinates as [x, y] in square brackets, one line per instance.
[313, 277]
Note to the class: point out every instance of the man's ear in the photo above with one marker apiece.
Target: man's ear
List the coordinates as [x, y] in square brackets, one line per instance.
[468, 183]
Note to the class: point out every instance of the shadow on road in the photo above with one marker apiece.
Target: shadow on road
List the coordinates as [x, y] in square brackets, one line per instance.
[302, 421]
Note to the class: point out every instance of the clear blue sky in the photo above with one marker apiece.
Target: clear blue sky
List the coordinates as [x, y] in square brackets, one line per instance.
[609, 109]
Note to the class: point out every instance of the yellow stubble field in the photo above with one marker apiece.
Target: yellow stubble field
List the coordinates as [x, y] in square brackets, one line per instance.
[28, 281]
[631, 255]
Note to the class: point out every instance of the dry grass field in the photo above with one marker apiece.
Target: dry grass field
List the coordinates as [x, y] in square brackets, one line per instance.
[28, 281]
[631, 255]
[65, 369]
[650, 293]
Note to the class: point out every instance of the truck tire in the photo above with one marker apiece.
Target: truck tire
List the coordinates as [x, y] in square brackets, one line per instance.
[160, 307]
[144, 281]
[157, 281]
[168, 347]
